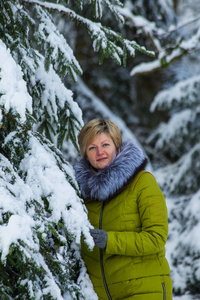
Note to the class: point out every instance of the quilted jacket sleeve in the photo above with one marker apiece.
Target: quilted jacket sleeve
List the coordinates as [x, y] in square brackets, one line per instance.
[154, 222]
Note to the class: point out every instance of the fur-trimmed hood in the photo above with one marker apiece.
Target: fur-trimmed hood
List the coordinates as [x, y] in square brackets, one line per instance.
[106, 183]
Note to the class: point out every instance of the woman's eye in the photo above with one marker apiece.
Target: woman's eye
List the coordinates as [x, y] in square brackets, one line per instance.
[91, 148]
[105, 145]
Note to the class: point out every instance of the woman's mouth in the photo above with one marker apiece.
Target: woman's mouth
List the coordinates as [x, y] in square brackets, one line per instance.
[101, 159]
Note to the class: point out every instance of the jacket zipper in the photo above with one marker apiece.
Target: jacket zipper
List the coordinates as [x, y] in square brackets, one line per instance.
[101, 256]
[164, 292]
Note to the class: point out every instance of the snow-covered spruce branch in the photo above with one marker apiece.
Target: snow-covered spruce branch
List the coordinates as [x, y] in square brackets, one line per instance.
[103, 38]
[178, 27]
[114, 9]
[98, 11]
[165, 59]
[183, 95]
[141, 23]
[56, 45]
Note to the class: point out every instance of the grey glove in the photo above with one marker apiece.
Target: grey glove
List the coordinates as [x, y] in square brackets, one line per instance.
[100, 237]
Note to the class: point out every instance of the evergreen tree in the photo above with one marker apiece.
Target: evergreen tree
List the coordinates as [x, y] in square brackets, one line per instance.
[175, 149]
[179, 175]
[42, 216]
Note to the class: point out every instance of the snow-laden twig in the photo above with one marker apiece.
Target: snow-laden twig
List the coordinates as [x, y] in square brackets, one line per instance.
[167, 57]
[100, 34]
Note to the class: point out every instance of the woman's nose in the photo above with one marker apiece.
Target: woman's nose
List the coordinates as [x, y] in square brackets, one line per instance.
[99, 150]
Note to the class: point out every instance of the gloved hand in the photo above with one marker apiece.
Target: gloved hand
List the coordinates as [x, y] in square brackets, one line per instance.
[100, 237]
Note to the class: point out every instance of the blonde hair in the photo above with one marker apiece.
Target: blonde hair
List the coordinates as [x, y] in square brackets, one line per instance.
[97, 126]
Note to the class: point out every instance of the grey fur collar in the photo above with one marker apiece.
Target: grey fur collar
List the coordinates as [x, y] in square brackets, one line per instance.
[106, 183]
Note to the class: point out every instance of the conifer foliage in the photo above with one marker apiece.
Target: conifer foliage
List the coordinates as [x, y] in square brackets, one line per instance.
[42, 217]
[179, 140]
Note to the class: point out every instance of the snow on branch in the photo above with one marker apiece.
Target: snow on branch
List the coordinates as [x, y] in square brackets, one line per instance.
[182, 25]
[13, 90]
[163, 60]
[139, 22]
[181, 102]
[58, 52]
[167, 56]
[114, 9]
[178, 128]
[102, 36]
[183, 94]
[56, 106]
[40, 209]
[187, 170]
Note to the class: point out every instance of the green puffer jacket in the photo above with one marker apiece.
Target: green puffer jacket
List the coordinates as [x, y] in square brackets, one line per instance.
[133, 266]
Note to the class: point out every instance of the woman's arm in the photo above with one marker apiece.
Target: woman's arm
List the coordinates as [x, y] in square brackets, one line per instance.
[153, 216]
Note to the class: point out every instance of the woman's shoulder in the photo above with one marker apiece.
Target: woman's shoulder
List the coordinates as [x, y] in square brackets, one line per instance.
[144, 178]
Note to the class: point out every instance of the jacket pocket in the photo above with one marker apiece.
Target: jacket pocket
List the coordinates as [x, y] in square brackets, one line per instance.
[164, 291]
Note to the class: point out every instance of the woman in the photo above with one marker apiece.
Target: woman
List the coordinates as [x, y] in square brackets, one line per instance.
[129, 215]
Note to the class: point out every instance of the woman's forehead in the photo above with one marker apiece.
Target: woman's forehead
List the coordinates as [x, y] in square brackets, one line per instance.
[100, 137]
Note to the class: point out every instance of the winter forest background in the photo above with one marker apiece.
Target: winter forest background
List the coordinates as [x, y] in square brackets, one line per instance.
[63, 63]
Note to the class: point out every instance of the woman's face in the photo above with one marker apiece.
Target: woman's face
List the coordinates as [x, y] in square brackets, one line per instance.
[101, 151]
